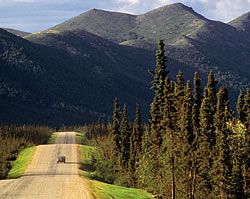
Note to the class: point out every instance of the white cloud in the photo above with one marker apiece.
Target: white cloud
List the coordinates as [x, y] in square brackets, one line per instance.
[227, 10]
[129, 2]
[223, 10]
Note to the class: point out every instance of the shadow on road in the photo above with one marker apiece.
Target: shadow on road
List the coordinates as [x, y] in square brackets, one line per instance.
[86, 167]
[71, 163]
[48, 174]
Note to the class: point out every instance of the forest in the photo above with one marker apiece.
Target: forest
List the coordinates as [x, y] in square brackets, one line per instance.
[194, 145]
[15, 138]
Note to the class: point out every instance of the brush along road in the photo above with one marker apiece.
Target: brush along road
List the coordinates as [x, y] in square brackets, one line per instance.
[44, 178]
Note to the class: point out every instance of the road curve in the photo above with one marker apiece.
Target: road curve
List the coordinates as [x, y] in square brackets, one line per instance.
[44, 178]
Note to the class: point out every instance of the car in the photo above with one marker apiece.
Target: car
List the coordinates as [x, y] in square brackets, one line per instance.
[61, 159]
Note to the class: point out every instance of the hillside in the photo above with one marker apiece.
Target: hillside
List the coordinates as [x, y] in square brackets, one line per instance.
[192, 40]
[17, 32]
[242, 23]
[168, 22]
[40, 84]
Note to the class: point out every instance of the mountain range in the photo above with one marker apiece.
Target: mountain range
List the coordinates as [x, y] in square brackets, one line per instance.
[70, 73]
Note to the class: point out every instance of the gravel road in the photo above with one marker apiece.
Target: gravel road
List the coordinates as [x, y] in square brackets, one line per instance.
[44, 178]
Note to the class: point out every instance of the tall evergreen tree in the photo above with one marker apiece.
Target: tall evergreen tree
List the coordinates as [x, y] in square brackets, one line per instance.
[156, 112]
[185, 145]
[125, 138]
[179, 97]
[204, 154]
[155, 128]
[238, 146]
[240, 107]
[138, 131]
[196, 128]
[133, 158]
[238, 182]
[222, 167]
[211, 90]
[168, 148]
[246, 121]
[179, 91]
[187, 122]
[135, 145]
[116, 126]
[160, 73]
[154, 135]
[197, 104]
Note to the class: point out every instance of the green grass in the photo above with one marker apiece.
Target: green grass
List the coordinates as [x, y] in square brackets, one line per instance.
[80, 138]
[20, 164]
[103, 190]
[52, 138]
[86, 153]
[85, 157]
[108, 191]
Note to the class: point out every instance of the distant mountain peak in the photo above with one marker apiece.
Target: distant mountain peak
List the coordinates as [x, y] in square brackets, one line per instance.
[178, 5]
[242, 23]
[101, 11]
[17, 32]
[177, 8]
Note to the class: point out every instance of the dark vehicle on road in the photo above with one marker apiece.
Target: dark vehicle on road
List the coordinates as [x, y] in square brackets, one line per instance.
[61, 159]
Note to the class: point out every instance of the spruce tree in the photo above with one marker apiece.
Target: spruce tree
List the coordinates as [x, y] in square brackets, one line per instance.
[238, 181]
[133, 159]
[154, 136]
[160, 73]
[246, 121]
[238, 157]
[197, 100]
[211, 90]
[240, 107]
[116, 126]
[197, 104]
[222, 163]
[170, 141]
[179, 97]
[135, 145]
[179, 92]
[138, 131]
[185, 145]
[155, 128]
[125, 138]
[187, 122]
[156, 112]
[204, 154]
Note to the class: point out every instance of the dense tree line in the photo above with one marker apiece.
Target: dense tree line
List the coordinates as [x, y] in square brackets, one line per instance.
[15, 138]
[193, 146]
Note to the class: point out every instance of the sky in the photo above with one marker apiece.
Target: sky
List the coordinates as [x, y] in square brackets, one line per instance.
[38, 15]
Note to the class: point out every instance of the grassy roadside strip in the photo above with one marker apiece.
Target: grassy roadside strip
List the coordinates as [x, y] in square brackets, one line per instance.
[24, 158]
[52, 138]
[107, 191]
[103, 190]
[80, 138]
[20, 164]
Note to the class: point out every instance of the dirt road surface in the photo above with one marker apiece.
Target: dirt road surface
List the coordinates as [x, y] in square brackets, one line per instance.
[44, 178]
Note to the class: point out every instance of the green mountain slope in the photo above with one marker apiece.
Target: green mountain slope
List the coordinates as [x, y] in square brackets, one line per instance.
[40, 84]
[17, 32]
[110, 25]
[242, 23]
[168, 22]
[191, 39]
